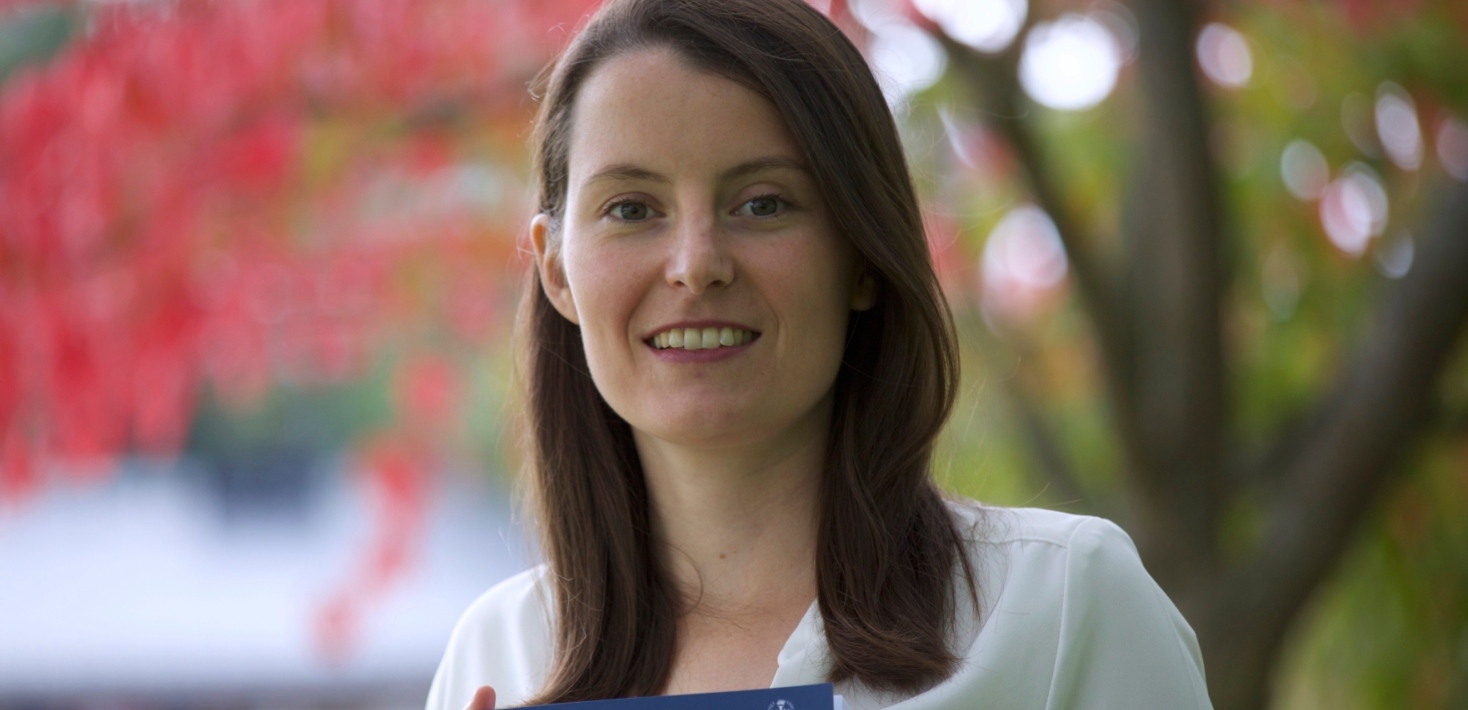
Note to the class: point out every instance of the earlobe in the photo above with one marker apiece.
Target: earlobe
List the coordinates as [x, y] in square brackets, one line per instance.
[548, 262]
[864, 294]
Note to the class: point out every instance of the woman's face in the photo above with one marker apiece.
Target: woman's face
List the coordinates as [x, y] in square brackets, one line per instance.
[698, 258]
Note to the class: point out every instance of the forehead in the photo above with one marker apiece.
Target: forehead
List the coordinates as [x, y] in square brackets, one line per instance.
[650, 108]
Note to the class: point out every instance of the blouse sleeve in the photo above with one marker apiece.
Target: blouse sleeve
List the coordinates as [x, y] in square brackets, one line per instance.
[1123, 643]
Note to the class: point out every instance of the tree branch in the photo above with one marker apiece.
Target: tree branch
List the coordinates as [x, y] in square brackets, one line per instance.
[1174, 286]
[1355, 439]
[995, 76]
[1045, 448]
[1001, 100]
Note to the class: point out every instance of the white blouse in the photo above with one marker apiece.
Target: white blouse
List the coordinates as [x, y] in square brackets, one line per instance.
[1068, 618]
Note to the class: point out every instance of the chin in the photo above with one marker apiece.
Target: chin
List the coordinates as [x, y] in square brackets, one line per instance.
[701, 427]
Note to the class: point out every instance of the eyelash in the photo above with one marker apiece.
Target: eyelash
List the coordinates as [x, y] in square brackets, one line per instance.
[611, 207]
[781, 204]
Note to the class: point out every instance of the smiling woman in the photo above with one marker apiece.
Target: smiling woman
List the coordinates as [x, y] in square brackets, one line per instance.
[738, 359]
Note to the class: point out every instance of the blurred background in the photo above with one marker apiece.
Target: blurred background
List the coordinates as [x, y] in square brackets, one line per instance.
[259, 261]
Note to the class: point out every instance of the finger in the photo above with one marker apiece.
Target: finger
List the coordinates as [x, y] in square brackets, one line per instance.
[483, 699]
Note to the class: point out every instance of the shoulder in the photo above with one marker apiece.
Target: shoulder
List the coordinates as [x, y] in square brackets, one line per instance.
[502, 640]
[507, 603]
[1085, 562]
[1010, 543]
[1014, 545]
[995, 525]
[1069, 563]
[1070, 618]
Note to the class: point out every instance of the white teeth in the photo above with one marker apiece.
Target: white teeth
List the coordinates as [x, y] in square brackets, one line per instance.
[701, 338]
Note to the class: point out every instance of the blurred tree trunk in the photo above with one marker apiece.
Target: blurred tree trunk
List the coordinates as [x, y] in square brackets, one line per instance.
[1157, 310]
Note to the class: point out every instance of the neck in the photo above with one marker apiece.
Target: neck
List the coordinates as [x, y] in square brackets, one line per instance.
[738, 522]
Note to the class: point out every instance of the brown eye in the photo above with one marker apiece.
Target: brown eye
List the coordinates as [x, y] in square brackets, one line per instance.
[629, 211]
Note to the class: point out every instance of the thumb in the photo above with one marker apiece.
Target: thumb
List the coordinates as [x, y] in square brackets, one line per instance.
[483, 699]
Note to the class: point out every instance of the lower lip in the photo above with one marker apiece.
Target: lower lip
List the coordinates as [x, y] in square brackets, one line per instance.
[695, 356]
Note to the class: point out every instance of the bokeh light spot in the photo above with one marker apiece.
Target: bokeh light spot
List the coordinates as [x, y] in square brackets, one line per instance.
[986, 25]
[1292, 83]
[1394, 259]
[1023, 260]
[1397, 126]
[1304, 169]
[1452, 147]
[1070, 64]
[1358, 119]
[1121, 23]
[1354, 209]
[1224, 55]
[907, 59]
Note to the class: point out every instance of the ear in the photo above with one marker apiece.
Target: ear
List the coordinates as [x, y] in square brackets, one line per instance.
[548, 263]
[864, 293]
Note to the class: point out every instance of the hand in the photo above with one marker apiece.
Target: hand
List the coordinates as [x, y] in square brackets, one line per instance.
[483, 699]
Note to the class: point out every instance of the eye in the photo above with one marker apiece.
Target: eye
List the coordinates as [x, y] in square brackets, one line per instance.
[762, 206]
[629, 211]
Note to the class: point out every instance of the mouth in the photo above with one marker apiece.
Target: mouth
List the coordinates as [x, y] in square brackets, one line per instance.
[701, 338]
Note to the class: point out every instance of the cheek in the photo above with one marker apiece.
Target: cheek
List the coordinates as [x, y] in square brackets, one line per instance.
[808, 281]
[605, 289]
[814, 276]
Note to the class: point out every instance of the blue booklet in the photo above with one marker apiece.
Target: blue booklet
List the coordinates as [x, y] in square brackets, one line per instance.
[797, 697]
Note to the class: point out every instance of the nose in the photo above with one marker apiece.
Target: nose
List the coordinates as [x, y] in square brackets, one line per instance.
[699, 258]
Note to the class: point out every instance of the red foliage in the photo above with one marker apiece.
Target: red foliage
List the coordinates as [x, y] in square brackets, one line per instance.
[395, 469]
[226, 193]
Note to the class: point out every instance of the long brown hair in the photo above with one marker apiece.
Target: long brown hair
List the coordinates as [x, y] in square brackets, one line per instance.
[888, 549]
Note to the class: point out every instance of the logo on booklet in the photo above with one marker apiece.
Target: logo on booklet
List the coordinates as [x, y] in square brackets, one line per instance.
[782, 704]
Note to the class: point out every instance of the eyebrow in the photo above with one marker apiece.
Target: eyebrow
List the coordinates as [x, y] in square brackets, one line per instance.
[626, 171]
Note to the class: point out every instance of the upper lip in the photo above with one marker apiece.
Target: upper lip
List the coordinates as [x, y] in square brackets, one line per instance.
[697, 324]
